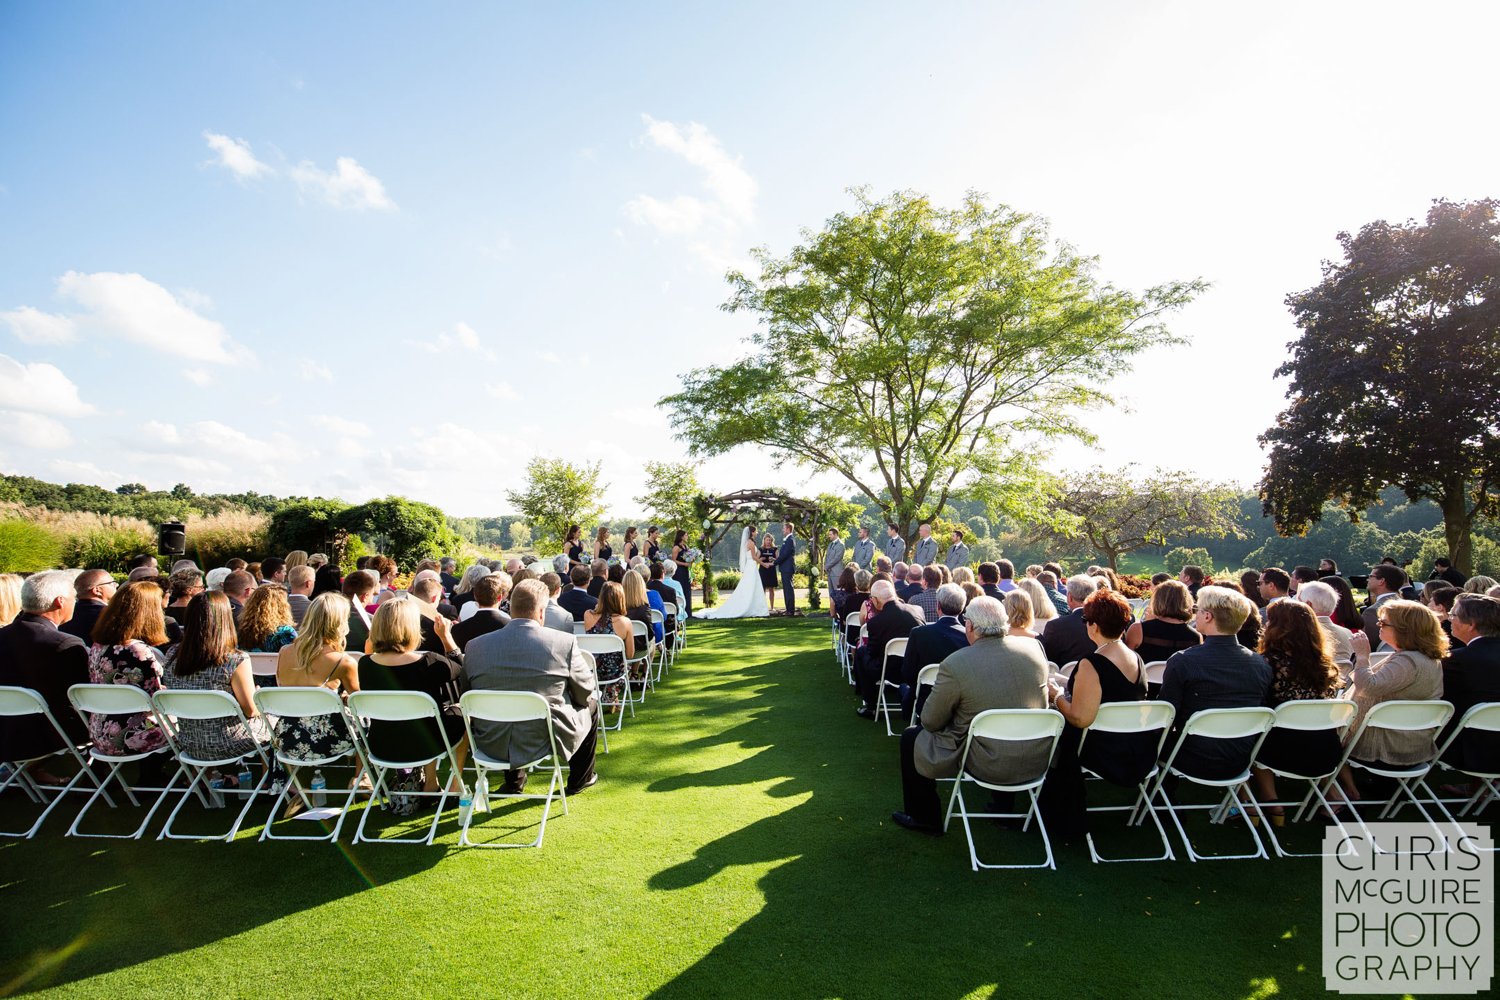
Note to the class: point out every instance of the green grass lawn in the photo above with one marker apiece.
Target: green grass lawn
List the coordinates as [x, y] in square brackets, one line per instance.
[738, 844]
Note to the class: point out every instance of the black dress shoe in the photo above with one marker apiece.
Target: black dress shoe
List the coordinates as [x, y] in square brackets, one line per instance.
[865, 713]
[593, 780]
[907, 823]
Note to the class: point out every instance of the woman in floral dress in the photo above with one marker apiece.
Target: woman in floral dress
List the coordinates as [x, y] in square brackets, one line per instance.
[123, 653]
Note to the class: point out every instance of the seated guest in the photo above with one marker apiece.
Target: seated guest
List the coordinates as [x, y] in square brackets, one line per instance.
[1007, 571]
[182, 586]
[1275, 585]
[427, 592]
[1323, 600]
[237, 587]
[1471, 675]
[1481, 585]
[640, 602]
[446, 567]
[925, 596]
[1111, 673]
[359, 587]
[993, 671]
[326, 580]
[929, 644]
[35, 653]
[576, 600]
[487, 616]
[1347, 613]
[891, 620]
[527, 656]
[253, 568]
[1296, 646]
[1440, 597]
[385, 569]
[678, 576]
[265, 624]
[144, 561]
[1384, 585]
[1219, 673]
[1018, 607]
[395, 664]
[272, 570]
[208, 659]
[1042, 610]
[898, 579]
[915, 581]
[854, 600]
[319, 658]
[1413, 671]
[123, 652]
[1249, 586]
[841, 589]
[10, 598]
[1164, 629]
[507, 584]
[214, 578]
[1249, 634]
[1050, 582]
[989, 580]
[1193, 578]
[963, 575]
[94, 589]
[1067, 636]
[599, 576]
[296, 557]
[971, 591]
[608, 618]
[463, 591]
[553, 615]
[657, 584]
[1301, 575]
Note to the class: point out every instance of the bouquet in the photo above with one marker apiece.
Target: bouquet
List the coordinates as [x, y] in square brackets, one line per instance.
[691, 556]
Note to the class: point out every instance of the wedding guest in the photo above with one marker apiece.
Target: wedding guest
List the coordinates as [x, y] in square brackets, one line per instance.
[1384, 585]
[1413, 671]
[555, 617]
[484, 611]
[989, 580]
[929, 644]
[1066, 637]
[10, 598]
[94, 588]
[1050, 582]
[891, 620]
[359, 587]
[1018, 609]
[1007, 571]
[1323, 600]
[1042, 610]
[237, 587]
[208, 659]
[1294, 643]
[296, 557]
[637, 598]
[576, 599]
[1166, 626]
[299, 583]
[608, 618]
[926, 595]
[599, 577]
[123, 652]
[327, 580]
[182, 586]
[463, 592]
[1346, 613]
[1471, 675]
[963, 575]
[265, 624]
[36, 654]
[840, 590]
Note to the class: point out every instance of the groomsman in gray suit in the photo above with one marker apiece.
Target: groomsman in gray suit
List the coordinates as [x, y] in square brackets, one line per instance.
[926, 554]
[895, 545]
[958, 552]
[833, 559]
[864, 548]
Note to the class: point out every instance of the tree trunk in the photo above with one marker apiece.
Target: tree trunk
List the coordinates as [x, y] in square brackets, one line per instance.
[1457, 525]
[1114, 559]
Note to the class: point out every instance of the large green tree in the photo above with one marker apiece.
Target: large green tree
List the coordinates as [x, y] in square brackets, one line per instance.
[406, 530]
[558, 493]
[1395, 378]
[907, 347]
[672, 491]
[1116, 512]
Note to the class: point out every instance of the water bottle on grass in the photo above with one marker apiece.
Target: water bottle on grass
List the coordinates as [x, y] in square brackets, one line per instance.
[215, 790]
[247, 779]
[318, 789]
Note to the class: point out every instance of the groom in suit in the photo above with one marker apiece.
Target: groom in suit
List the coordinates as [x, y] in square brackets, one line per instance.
[786, 562]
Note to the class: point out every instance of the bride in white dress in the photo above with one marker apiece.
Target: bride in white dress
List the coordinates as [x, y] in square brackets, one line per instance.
[748, 599]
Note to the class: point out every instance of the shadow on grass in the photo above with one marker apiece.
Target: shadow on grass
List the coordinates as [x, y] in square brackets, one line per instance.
[855, 906]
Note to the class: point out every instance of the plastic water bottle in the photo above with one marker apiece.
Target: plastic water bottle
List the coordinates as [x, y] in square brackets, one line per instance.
[318, 788]
[465, 805]
[247, 780]
[215, 790]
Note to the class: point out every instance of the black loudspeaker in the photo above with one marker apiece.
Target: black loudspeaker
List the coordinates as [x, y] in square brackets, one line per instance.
[171, 539]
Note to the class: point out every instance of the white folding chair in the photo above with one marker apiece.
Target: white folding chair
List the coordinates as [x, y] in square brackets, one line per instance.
[263, 666]
[172, 708]
[1007, 725]
[1217, 724]
[669, 638]
[1401, 716]
[1482, 718]
[659, 620]
[598, 702]
[1155, 672]
[308, 703]
[1138, 718]
[578, 628]
[399, 706]
[851, 641]
[115, 699]
[619, 688]
[511, 708]
[22, 702]
[895, 647]
[1310, 716]
[644, 648]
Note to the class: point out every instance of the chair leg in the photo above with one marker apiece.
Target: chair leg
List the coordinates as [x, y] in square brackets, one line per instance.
[115, 775]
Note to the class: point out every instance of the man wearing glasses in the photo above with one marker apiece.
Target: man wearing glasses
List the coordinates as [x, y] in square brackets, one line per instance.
[1385, 584]
[94, 588]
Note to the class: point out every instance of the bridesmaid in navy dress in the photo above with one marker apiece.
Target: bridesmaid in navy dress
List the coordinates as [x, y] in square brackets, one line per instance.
[684, 573]
[630, 546]
[573, 546]
[601, 544]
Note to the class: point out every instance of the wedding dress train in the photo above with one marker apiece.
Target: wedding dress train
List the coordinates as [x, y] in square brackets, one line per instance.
[748, 599]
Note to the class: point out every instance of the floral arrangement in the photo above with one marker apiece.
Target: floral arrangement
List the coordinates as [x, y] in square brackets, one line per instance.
[691, 556]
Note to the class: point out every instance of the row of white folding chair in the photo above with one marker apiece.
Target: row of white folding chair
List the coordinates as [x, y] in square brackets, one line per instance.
[1007, 725]
[17, 703]
[885, 708]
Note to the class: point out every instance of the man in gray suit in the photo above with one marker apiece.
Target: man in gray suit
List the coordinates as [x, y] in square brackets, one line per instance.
[994, 671]
[958, 552]
[895, 545]
[555, 616]
[926, 553]
[864, 548]
[526, 656]
[833, 559]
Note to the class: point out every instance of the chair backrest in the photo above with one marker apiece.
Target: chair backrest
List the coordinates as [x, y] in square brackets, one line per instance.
[21, 701]
[299, 702]
[1315, 714]
[640, 629]
[197, 705]
[1156, 671]
[1068, 668]
[393, 706]
[670, 608]
[851, 620]
[579, 628]
[1228, 723]
[263, 664]
[601, 644]
[588, 658]
[927, 675]
[109, 699]
[1133, 717]
[896, 647]
[1017, 724]
[657, 618]
[1485, 716]
[1409, 716]
[505, 706]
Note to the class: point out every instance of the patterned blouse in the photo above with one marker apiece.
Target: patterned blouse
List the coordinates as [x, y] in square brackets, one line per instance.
[136, 664]
[283, 635]
[1284, 688]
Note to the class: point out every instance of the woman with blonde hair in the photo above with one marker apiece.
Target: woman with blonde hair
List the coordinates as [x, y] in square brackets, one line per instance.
[1042, 609]
[317, 659]
[601, 544]
[296, 557]
[640, 602]
[1164, 629]
[10, 598]
[1018, 608]
[464, 592]
[963, 575]
[265, 624]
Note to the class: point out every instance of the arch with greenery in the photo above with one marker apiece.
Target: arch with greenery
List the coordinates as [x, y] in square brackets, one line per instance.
[718, 514]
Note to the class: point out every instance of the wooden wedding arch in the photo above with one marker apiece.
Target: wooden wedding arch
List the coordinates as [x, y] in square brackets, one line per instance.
[717, 514]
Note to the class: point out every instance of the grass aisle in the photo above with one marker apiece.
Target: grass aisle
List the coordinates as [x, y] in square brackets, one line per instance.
[738, 844]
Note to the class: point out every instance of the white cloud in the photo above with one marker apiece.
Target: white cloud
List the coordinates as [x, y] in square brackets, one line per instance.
[549, 357]
[32, 326]
[502, 390]
[311, 371]
[677, 217]
[39, 388]
[236, 157]
[712, 222]
[639, 416]
[342, 425]
[33, 430]
[133, 308]
[197, 376]
[733, 188]
[349, 185]
[462, 338]
[164, 433]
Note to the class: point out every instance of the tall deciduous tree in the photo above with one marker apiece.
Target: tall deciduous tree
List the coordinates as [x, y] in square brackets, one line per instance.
[671, 493]
[905, 344]
[557, 494]
[1117, 513]
[1396, 376]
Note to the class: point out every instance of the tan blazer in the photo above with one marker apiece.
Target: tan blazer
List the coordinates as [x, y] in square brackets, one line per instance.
[995, 672]
[524, 656]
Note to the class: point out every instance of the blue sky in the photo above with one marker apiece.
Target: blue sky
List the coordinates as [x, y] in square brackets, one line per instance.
[360, 249]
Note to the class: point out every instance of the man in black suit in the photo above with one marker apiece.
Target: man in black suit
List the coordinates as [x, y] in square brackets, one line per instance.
[1471, 676]
[596, 582]
[658, 584]
[237, 587]
[786, 565]
[487, 594]
[36, 654]
[1066, 637]
[1442, 569]
[575, 600]
[890, 621]
[989, 580]
[92, 591]
[929, 644]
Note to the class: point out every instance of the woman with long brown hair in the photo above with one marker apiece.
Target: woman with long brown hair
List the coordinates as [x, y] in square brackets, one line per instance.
[602, 549]
[209, 659]
[573, 546]
[123, 652]
[608, 618]
[630, 547]
[1302, 669]
[265, 624]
